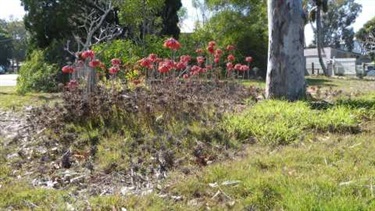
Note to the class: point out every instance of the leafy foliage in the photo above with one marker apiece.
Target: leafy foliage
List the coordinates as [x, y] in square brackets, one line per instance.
[5, 47]
[367, 36]
[336, 23]
[133, 52]
[241, 23]
[37, 75]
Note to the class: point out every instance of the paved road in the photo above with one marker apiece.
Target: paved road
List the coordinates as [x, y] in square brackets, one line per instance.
[8, 79]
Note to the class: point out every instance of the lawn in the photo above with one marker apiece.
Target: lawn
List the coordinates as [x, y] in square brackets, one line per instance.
[10, 100]
[269, 155]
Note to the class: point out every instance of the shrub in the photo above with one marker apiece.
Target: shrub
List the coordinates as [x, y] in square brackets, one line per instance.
[37, 75]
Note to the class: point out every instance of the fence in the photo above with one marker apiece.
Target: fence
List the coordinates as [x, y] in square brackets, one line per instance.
[339, 66]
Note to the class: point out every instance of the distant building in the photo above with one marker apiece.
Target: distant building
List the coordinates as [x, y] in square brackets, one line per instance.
[337, 61]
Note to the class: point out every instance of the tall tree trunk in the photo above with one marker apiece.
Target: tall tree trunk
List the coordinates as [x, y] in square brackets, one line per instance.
[319, 43]
[286, 61]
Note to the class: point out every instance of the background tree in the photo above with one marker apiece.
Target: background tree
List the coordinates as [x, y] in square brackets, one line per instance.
[315, 16]
[332, 20]
[5, 45]
[336, 23]
[242, 23]
[286, 62]
[51, 23]
[19, 35]
[158, 17]
[367, 36]
[169, 15]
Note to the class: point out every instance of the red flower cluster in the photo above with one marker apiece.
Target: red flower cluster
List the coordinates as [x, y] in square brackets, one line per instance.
[166, 65]
[244, 68]
[67, 69]
[88, 54]
[249, 59]
[115, 66]
[211, 47]
[72, 84]
[200, 60]
[153, 57]
[230, 58]
[95, 63]
[115, 62]
[113, 70]
[172, 44]
[146, 62]
[185, 58]
[230, 48]
[229, 66]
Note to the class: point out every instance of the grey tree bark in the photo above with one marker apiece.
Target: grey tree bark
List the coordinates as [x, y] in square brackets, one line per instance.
[286, 61]
[319, 41]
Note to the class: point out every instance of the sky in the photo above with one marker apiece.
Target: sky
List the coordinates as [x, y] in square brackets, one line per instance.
[13, 8]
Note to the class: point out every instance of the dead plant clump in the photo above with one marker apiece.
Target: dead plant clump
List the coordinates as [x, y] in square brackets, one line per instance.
[124, 140]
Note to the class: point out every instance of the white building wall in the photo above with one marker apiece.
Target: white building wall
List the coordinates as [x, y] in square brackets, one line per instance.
[345, 66]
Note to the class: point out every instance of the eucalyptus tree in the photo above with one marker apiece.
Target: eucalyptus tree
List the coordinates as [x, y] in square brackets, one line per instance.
[286, 62]
[367, 37]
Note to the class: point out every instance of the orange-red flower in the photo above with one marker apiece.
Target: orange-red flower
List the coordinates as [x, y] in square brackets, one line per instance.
[185, 58]
[218, 52]
[230, 57]
[212, 43]
[200, 60]
[244, 68]
[152, 57]
[163, 68]
[94, 63]
[113, 70]
[172, 44]
[67, 69]
[146, 62]
[230, 48]
[249, 59]
[229, 66]
[116, 62]
[211, 49]
[195, 69]
[237, 67]
[199, 51]
[72, 84]
[180, 65]
[88, 54]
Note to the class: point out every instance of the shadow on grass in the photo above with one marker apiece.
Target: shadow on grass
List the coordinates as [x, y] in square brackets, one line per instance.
[6, 93]
[48, 98]
[368, 104]
[319, 81]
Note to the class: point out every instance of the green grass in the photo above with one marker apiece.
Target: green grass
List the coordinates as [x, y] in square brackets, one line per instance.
[308, 156]
[280, 122]
[10, 100]
[334, 173]
[346, 85]
[256, 83]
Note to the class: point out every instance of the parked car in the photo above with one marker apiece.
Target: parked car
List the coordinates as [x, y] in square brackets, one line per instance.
[370, 71]
[2, 70]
